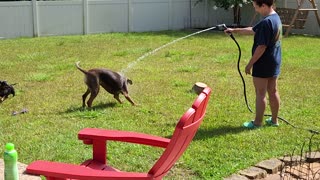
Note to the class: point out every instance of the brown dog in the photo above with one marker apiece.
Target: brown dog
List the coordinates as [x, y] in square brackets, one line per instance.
[112, 82]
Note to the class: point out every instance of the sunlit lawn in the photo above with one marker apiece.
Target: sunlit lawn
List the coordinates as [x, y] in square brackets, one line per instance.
[50, 87]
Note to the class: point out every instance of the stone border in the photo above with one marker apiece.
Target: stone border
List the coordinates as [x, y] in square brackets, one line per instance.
[270, 169]
[21, 169]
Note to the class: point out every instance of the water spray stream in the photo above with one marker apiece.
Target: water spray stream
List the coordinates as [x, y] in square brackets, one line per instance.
[123, 71]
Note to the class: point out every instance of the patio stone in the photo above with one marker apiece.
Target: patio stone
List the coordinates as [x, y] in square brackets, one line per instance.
[254, 173]
[272, 166]
[236, 177]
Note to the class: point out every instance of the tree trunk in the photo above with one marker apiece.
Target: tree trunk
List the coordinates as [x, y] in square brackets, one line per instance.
[236, 15]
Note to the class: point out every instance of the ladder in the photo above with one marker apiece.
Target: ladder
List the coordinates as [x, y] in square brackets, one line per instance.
[299, 16]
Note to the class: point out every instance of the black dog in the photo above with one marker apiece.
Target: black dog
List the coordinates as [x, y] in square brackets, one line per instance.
[5, 90]
[112, 82]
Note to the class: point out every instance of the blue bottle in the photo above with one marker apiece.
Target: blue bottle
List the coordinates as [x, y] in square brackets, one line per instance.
[10, 158]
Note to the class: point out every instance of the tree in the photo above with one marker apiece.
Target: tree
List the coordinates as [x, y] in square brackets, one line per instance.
[234, 4]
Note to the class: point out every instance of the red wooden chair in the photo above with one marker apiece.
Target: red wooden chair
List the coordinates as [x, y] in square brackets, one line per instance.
[97, 168]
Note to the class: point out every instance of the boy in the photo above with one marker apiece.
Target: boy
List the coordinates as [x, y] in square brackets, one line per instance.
[265, 61]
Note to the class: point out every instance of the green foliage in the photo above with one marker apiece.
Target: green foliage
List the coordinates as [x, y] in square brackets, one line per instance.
[226, 4]
[50, 87]
[235, 5]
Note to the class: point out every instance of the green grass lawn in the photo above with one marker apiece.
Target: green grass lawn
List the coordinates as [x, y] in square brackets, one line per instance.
[50, 87]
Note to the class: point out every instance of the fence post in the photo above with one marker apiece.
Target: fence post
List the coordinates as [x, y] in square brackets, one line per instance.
[284, 3]
[170, 18]
[35, 18]
[129, 15]
[85, 17]
[206, 15]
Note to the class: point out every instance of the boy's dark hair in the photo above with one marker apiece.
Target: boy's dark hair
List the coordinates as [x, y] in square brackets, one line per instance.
[266, 2]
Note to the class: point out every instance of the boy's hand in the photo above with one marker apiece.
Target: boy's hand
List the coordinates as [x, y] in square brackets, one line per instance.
[228, 30]
[248, 69]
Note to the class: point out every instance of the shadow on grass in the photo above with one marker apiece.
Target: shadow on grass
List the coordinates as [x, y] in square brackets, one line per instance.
[210, 133]
[220, 131]
[100, 106]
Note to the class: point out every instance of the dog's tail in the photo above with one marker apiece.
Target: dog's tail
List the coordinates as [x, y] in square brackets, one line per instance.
[78, 66]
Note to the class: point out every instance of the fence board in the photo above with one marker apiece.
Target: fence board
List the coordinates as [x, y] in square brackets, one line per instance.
[108, 16]
[16, 20]
[60, 18]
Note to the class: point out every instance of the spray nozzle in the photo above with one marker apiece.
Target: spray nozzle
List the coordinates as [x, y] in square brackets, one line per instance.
[221, 27]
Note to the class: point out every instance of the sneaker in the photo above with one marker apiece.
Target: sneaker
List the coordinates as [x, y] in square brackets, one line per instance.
[250, 125]
[270, 123]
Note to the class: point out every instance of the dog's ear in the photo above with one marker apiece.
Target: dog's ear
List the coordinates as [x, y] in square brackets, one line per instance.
[129, 81]
[3, 83]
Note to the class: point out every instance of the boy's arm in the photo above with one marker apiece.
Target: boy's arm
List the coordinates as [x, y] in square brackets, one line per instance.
[247, 30]
[256, 55]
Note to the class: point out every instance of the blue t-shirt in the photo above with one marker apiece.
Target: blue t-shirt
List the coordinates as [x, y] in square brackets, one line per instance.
[268, 32]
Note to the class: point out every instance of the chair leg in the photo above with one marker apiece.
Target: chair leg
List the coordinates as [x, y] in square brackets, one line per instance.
[99, 151]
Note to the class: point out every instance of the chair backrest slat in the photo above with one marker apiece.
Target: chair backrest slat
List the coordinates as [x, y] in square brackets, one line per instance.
[183, 134]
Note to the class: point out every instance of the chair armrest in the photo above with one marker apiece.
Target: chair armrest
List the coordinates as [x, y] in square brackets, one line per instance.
[87, 135]
[70, 171]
